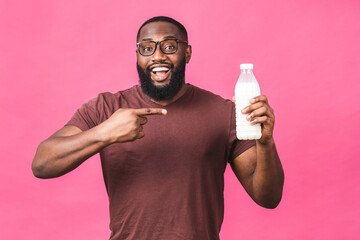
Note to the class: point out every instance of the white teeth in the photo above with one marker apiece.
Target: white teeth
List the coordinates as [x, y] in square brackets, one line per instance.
[158, 69]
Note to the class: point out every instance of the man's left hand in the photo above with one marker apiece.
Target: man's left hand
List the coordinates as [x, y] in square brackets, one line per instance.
[260, 111]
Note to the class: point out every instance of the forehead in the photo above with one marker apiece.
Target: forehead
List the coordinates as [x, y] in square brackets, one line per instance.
[159, 30]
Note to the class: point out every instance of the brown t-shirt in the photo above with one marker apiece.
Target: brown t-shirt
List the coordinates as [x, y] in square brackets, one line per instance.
[168, 185]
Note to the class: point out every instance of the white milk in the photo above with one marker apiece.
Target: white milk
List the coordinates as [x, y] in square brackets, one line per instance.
[246, 88]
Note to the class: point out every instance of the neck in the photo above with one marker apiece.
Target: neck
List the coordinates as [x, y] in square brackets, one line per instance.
[176, 97]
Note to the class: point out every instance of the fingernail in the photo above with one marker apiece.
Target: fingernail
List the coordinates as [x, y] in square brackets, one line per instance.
[253, 121]
[244, 110]
[164, 111]
[253, 100]
[249, 116]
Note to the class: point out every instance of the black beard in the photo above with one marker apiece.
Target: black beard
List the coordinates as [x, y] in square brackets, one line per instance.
[166, 92]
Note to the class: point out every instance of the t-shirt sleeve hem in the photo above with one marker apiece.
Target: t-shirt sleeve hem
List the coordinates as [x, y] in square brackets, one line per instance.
[78, 125]
[245, 146]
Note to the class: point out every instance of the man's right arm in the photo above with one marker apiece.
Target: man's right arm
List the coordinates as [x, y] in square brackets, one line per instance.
[69, 147]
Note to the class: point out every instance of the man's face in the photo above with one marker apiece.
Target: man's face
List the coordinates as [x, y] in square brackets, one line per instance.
[162, 75]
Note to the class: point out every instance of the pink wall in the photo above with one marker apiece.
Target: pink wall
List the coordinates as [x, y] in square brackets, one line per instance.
[55, 55]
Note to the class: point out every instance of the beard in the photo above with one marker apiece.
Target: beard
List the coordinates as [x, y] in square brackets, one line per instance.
[166, 92]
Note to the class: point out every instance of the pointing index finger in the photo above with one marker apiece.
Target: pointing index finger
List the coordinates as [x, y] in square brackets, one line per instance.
[150, 111]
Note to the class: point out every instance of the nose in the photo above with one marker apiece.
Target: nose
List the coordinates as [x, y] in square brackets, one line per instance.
[158, 55]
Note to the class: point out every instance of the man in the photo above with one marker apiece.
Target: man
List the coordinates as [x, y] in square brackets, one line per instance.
[164, 174]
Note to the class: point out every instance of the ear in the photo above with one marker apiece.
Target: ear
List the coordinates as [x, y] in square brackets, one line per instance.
[137, 55]
[188, 53]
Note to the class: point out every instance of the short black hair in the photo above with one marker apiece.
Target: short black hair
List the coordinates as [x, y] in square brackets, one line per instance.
[164, 19]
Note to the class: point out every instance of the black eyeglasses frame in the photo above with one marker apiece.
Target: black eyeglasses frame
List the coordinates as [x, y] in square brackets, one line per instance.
[158, 43]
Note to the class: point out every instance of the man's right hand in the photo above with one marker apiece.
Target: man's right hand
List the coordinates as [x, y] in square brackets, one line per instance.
[126, 124]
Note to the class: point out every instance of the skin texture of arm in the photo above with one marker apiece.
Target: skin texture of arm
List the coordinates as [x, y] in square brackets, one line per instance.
[260, 172]
[65, 150]
[69, 147]
[259, 169]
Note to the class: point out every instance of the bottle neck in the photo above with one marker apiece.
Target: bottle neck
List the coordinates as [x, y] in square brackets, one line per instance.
[246, 71]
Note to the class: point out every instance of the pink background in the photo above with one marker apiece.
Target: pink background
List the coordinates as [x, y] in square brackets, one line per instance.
[56, 55]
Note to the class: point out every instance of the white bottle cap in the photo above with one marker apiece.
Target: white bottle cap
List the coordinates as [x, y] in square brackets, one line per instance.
[246, 66]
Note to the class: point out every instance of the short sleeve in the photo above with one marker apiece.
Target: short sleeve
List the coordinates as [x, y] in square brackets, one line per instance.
[237, 146]
[88, 115]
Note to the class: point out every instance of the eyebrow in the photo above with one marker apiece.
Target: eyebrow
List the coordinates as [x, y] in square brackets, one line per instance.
[166, 37]
[169, 37]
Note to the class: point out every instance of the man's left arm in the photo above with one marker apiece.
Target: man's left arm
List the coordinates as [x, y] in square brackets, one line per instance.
[259, 168]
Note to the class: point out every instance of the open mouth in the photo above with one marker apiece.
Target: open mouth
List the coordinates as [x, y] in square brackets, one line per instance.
[160, 73]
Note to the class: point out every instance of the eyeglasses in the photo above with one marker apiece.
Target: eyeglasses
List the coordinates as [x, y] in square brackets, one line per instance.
[167, 46]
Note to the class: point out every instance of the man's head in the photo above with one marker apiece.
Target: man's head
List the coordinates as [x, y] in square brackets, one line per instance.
[181, 27]
[162, 54]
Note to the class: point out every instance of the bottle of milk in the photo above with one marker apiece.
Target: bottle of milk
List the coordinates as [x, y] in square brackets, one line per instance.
[246, 88]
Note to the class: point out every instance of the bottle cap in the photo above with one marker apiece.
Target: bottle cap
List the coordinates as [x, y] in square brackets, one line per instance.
[246, 66]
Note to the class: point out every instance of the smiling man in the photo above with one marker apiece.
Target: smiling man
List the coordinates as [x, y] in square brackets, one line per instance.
[164, 146]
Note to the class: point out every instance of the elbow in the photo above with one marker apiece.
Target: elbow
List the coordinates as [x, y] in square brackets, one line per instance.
[270, 200]
[42, 172]
[39, 165]
[270, 204]
[38, 169]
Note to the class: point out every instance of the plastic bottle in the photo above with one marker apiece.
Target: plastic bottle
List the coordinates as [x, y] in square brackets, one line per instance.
[246, 88]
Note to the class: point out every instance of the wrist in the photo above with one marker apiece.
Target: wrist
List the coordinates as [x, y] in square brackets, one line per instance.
[266, 143]
[102, 135]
